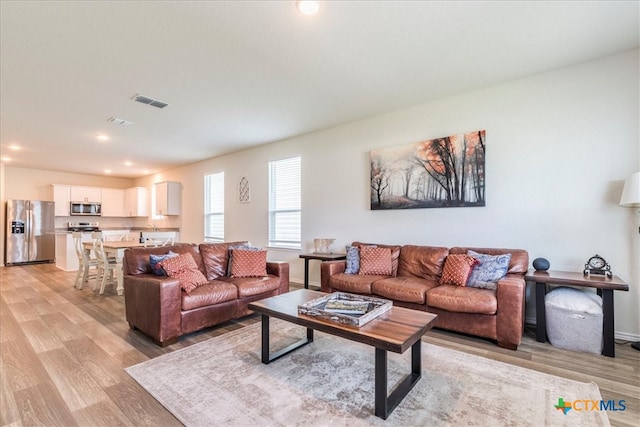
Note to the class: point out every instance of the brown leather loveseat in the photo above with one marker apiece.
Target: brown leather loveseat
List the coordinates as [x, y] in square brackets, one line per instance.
[415, 282]
[159, 307]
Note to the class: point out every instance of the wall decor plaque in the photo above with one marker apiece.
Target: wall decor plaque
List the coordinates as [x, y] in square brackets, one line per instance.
[244, 191]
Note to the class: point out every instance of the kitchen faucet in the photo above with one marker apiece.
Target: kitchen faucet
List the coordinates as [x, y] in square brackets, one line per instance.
[153, 227]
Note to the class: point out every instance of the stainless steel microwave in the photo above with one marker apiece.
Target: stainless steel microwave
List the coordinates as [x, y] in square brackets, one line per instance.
[84, 208]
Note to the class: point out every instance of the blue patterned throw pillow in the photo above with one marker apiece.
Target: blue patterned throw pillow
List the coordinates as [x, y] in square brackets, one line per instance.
[353, 260]
[491, 269]
[154, 261]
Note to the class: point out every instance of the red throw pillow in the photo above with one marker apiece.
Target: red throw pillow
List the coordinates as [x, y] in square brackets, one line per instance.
[248, 263]
[457, 269]
[375, 261]
[184, 268]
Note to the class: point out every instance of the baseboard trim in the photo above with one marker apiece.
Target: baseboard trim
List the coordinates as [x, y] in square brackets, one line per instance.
[627, 337]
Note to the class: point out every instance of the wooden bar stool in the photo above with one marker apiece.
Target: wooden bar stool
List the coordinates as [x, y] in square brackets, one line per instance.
[85, 261]
[106, 265]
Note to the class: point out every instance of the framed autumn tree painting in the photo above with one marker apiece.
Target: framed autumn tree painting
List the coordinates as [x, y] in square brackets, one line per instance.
[438, 173]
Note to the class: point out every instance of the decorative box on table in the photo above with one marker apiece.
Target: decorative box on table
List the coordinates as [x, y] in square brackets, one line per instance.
[347, 309]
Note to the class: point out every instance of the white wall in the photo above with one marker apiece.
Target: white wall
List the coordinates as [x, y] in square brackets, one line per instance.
[559, 146]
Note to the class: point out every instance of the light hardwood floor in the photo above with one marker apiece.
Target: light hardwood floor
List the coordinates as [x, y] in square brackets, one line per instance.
[63, 352]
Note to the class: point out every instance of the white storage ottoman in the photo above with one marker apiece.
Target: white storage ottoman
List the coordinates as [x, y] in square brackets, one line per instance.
[574, 319]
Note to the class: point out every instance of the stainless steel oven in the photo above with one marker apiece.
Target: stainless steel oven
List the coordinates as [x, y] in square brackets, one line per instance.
[85, 227]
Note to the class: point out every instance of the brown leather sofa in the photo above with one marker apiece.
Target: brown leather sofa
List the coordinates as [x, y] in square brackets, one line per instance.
[416, 270]
[160, 308]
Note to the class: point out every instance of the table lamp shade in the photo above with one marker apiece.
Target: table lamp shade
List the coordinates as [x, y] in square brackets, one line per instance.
[631, 192]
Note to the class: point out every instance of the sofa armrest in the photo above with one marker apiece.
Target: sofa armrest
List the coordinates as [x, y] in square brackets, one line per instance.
[280, 269]
[511, 307]
[328, 269]
[153, 305]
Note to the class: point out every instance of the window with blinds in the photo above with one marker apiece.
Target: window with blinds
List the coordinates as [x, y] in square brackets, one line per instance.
[214, 207]
[285, 203]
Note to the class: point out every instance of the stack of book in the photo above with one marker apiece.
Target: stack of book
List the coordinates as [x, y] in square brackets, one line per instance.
[347, 307]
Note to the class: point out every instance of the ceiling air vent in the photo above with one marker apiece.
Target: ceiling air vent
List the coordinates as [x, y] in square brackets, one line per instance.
[150, 101]
[120, 122]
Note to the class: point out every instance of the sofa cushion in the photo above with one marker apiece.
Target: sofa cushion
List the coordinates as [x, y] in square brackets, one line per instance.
[457, 269]
[490, 269]
[249, 286]
[154, 261]
[463, 299]
[395, 254]
[422, 261]
[406, 289]
[215, 257]
[209, 294]
[136, 260]
[248, 263]
[184, 268]
[375, 261]
[353, 283]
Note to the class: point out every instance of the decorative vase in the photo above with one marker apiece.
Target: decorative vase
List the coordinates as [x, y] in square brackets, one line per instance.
[541, 264]
[323, 246]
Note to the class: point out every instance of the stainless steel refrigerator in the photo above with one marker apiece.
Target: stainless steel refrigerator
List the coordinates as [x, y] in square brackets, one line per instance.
[30, 232]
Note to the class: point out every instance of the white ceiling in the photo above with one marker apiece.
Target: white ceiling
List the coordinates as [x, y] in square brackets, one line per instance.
[238, 74]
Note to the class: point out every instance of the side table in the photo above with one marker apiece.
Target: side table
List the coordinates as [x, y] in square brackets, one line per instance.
[605, 287]
[319, 257]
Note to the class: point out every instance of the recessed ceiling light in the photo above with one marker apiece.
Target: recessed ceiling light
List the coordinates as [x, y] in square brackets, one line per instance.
[5, 159]
[14, 147]
[127, 163]
[308, 7]
[102, 137]
[107, 171]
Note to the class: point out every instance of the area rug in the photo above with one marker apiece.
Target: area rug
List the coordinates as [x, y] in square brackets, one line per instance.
[330, 382]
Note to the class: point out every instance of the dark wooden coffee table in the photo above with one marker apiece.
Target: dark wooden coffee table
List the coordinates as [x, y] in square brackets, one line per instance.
[396, 331]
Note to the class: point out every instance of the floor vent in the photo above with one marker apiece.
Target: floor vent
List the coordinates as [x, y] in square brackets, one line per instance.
[150, 101]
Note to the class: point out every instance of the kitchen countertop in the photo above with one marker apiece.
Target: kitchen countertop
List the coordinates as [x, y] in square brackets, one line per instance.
[145, 229]
[130, 230]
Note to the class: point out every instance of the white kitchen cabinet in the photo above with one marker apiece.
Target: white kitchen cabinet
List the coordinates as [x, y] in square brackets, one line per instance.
[113, 202]
[136, 201]
[86, 194]
[168, 198]
[62, 199]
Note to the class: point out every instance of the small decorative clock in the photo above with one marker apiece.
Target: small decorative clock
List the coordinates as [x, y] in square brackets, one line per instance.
[597, 265]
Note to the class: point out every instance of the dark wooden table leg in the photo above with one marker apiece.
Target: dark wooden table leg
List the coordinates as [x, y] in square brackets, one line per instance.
[541, 316]
[385, 404]
[266, 356]
[265, 339]
[381, 384]
[306, 273]
[608, 338]
[416, 358]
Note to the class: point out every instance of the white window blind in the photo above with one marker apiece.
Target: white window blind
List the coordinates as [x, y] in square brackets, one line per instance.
[285, 202]
[214, 207]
